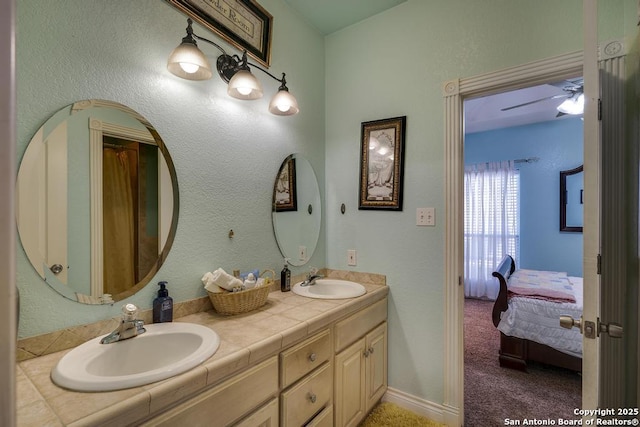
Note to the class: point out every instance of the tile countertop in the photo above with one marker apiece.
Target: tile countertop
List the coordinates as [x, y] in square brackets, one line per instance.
[285, 319]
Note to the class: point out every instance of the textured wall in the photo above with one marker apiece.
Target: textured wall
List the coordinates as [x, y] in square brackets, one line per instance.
[226, 152]
[394, 64]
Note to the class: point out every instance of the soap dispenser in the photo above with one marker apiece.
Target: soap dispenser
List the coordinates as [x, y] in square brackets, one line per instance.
[285, 277]
[163, 305]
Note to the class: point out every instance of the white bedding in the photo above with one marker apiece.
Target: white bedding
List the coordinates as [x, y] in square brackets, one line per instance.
[539, 320]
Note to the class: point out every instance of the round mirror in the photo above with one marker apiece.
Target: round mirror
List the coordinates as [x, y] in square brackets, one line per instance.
[296, 212]
[96, 202]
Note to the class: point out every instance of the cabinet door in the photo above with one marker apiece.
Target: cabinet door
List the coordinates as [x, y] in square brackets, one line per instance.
[349, 385]
[376, 364]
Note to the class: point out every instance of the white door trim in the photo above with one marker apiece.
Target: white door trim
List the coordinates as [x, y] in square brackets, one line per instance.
[454, 92]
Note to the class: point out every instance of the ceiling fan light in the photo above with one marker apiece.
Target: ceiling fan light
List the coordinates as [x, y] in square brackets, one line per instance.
[244, 85]
[573, 105]
[188, 62]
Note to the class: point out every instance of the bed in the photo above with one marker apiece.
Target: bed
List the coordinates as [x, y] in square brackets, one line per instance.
[528, 317]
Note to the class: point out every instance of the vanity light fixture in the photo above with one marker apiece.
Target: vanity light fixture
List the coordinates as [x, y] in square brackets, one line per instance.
[188, 62]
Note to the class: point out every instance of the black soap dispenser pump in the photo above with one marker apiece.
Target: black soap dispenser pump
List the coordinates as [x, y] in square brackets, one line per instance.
[163, 305]
[285, 277]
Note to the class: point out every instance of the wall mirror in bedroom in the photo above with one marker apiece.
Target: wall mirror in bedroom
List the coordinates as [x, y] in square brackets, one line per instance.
[571, 199]
[96, 202]
[296, 210]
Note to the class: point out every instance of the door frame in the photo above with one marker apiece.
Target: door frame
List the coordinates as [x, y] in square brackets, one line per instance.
[455, 92]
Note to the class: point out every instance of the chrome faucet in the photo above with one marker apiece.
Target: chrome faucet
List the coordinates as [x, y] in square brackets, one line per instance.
[311, 277]
[129, 326]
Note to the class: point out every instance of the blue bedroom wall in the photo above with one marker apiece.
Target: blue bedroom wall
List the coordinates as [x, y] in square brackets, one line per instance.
[558, 145]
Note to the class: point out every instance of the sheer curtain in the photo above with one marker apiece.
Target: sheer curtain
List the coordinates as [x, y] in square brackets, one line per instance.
[491, 224]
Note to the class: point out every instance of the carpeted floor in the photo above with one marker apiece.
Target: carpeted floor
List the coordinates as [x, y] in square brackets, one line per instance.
[492, 394]
[387, 414]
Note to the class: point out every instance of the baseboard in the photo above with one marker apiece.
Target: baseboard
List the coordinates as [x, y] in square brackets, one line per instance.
[434, 411]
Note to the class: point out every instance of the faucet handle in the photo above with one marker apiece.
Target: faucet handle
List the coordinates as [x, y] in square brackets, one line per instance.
[313, 271]
[129, 311]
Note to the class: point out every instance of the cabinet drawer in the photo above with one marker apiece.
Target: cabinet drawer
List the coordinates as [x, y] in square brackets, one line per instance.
[226, 402]
[303, 358]
[354, 327]
[308, 397]
[323, 419]
[267, 416]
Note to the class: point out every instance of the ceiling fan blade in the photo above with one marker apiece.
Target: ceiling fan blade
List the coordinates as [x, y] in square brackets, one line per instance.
[533, 102]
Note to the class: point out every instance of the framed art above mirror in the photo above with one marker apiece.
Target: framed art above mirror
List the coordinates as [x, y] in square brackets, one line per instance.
[296, 210]
[571, 199]
[96, 201]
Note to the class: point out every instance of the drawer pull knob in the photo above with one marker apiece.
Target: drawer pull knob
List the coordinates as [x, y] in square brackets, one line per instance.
[313, 397]
[366, 353]
[312, 357]
[370, 350]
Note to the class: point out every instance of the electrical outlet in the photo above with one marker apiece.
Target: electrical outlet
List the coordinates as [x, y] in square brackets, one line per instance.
[426, 216]
[302, 253]
[352, 257]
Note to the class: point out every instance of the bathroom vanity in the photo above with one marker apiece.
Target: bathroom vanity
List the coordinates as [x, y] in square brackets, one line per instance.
[297, 361]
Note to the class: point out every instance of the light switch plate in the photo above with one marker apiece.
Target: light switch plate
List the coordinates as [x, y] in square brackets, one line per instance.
[302, 253]
[352, 257]
[426, 216]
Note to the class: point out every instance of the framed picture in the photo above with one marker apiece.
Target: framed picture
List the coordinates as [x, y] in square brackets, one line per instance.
[284, 193]
[243, 23]
[382, 164]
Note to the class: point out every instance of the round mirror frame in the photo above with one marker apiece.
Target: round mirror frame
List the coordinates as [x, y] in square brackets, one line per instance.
[97, 129]
[296, 221]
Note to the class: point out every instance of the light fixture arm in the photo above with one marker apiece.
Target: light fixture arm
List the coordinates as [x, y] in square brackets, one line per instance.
[228, 64]
[192, 35]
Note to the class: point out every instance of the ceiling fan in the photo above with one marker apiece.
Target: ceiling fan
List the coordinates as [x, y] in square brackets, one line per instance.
[573, 93]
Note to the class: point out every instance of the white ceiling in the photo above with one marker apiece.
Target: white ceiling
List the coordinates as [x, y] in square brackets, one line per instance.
[481, 114]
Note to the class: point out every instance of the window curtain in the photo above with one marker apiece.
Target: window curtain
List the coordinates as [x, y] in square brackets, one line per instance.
[491, 224]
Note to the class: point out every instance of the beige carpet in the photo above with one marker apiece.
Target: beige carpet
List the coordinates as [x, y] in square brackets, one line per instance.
[388, 414]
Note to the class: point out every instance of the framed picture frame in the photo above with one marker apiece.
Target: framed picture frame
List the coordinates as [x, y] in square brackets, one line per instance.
[243, 23]
[285, 194]
[382, 164]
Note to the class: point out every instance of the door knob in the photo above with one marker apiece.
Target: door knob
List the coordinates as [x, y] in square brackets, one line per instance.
[613, 329]
[569, 322]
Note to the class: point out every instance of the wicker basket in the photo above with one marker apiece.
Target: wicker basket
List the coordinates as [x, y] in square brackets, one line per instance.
[228, 303]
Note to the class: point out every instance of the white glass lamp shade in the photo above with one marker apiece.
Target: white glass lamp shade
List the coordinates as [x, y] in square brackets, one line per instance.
[244, 85]
[188, 62]
[283, 104]
[573, 105]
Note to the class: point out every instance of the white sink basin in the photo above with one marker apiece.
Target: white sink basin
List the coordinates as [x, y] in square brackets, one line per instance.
[330, 289]
[165, 350]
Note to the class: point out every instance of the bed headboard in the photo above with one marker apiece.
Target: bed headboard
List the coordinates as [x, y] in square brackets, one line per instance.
[503, 271]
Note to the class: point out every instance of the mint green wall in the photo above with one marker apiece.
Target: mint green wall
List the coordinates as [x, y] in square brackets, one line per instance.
[395, 64]
[226, 152]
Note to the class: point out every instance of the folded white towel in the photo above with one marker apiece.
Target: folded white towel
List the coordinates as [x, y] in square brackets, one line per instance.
[207, 281]
[224, 280]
